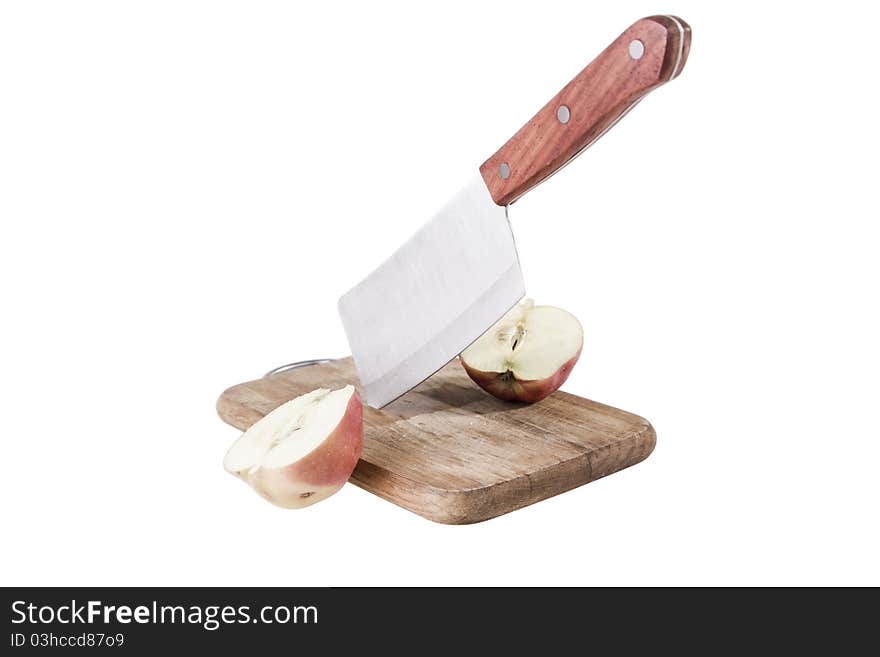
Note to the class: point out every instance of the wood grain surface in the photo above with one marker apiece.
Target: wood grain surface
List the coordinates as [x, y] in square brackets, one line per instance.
[595, 99]
[451, 453]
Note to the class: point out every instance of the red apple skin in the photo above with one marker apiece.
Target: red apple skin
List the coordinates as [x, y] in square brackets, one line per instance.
[504, 386]
[322, 472]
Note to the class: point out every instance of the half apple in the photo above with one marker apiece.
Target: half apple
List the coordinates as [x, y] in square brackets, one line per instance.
[304, 450]
[527, 354]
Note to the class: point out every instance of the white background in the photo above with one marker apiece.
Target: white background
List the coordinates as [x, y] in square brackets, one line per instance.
[187, 187]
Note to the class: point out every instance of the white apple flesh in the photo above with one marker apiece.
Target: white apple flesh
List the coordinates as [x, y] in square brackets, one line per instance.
[527, 354]
[304, 450]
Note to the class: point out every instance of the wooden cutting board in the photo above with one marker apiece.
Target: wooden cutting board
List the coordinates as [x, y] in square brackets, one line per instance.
[453, 454]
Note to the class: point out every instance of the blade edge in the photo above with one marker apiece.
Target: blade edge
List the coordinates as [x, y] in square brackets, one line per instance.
[483, 313]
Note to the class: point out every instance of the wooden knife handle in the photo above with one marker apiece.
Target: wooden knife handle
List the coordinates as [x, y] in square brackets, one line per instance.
[652, 51]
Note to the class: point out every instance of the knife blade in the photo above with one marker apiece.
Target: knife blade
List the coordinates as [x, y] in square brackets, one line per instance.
[459, 273]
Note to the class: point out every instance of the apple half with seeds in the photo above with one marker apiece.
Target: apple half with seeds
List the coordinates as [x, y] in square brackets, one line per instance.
[527, 354]
[304, 450]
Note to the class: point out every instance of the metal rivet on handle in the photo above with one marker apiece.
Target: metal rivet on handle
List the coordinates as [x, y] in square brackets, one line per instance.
[636, 49]
[563, 114]
[504, 171]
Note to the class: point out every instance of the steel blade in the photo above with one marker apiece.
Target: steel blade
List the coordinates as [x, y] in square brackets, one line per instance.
[434, 296]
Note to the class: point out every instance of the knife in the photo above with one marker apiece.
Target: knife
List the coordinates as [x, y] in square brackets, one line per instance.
[460, 272]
